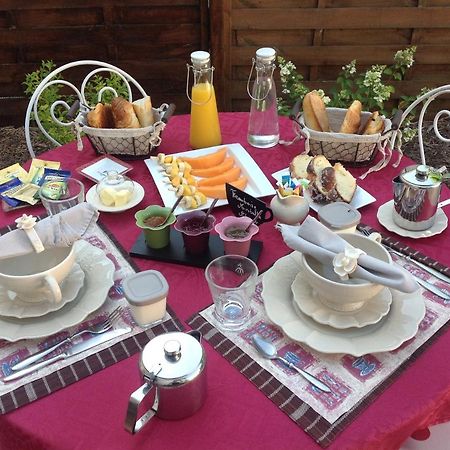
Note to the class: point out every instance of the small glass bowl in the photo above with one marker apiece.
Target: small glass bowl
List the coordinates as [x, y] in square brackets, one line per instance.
[115, 189]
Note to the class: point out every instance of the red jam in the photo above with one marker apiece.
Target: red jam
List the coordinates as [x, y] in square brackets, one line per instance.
[195, 225]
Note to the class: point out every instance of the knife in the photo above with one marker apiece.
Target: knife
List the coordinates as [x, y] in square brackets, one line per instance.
[432, 288]
[423, 266]
[71, 351]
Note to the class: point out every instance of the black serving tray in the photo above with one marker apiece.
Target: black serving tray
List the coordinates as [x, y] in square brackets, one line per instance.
[176, 254]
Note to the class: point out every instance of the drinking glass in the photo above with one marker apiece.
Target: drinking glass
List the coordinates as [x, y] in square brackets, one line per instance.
[232, 282]
[72, 194]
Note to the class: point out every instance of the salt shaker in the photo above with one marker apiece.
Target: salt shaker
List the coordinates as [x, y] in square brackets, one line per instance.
[263, 130]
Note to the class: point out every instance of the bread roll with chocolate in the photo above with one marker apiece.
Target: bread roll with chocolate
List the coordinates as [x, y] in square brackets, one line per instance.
[374, 125]
[123, 113]
[101, 116]
[352, 119]
[144, 111]
[314, 112]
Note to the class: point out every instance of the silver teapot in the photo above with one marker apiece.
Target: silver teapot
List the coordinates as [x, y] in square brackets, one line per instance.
[175, 364]
[416, 196]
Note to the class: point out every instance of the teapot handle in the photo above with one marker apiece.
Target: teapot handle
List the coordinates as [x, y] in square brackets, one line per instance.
[132, 423]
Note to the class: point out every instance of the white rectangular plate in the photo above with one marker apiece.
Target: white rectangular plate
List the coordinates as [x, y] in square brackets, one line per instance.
[360, 199]
[258, 185]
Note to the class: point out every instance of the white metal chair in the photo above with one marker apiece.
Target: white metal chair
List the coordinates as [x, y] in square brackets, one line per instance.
[84, 107]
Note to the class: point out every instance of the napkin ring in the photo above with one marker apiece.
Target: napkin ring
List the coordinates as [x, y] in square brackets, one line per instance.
[27, 223]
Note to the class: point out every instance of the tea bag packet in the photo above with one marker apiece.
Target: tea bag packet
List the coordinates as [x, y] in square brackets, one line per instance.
[36, 172]
[25, 193]
[8, 188]
[13, 171]
[55, 183]
[315, 239]
[60, 230]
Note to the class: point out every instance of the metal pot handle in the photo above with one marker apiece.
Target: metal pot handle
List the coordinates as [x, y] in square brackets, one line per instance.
[132, 423]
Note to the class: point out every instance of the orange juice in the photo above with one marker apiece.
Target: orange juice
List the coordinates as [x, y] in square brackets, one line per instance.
[205, 127]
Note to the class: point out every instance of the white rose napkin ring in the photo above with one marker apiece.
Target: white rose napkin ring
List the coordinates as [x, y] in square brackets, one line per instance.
[345, 263]
[27, 223]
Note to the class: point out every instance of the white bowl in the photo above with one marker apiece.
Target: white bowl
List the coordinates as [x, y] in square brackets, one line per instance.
[342, 295]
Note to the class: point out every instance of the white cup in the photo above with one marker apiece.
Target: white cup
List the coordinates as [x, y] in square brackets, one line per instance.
[36, 277]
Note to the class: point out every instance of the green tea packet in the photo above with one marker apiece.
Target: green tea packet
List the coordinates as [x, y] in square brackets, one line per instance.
[36, 172]
[54, 183]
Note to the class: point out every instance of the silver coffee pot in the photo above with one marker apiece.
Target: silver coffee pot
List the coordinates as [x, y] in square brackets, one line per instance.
[416, 196]
[175, 364]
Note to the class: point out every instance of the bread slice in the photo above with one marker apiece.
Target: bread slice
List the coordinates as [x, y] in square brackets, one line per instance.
[144, 111]
[297, 168]
[352, 118]
[345, 183]
[123, 113]
[314, 112]
[101, 116]
[374, 125]
[316, 165]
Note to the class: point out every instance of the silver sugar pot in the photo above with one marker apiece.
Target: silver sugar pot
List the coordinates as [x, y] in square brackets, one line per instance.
[173, 363]
[416, 196]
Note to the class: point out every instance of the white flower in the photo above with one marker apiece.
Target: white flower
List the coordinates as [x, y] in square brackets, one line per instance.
[345, 263]
[25, 222]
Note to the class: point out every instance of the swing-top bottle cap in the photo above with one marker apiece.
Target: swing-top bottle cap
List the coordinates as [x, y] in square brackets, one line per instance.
[266, 54]
[200, 58]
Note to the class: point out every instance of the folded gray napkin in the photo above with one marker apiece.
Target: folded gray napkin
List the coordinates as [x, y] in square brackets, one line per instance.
[315, 239]
[60, 230]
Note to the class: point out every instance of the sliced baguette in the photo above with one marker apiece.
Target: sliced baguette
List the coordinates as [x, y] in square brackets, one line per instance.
[352, 119]
[144, 111]
[314, 112]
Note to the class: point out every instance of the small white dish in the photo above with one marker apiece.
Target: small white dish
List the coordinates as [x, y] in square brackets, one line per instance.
[360, 199]
[257, 183]
[384, 216]
[11, 305]
[99, 273]
[93, 198]
[371, 312]
[399, 325]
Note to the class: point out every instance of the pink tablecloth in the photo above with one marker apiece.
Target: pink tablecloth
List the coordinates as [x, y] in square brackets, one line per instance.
[90, 413]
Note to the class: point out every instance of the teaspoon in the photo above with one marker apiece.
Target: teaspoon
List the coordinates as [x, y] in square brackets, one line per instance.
[268, 350]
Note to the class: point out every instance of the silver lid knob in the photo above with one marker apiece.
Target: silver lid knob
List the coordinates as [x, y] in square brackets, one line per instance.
[172, 350]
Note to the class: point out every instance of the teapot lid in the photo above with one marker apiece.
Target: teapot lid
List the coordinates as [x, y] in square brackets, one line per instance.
[420, 176]
[172, 359]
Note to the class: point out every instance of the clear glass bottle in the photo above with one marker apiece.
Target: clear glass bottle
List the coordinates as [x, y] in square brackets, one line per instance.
[205, 126]
[263, 131]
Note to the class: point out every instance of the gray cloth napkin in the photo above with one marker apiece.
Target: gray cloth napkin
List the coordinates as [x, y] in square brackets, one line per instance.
[60, 230]
[315, 239]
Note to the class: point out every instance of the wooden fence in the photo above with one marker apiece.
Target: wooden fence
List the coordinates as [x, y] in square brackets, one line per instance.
[152, 40]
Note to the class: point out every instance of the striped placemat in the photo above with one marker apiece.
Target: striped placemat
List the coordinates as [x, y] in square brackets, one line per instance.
[321, 430]
[93, 362]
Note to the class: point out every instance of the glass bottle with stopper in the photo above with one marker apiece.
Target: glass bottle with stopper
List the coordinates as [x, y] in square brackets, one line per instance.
[115, 189]
[263, 131]
[205, 126]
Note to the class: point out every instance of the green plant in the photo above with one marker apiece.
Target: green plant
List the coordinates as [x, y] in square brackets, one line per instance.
[371, 87]
[56, 92]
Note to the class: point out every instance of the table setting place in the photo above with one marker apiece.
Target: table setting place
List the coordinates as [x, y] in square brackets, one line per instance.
[63, 309]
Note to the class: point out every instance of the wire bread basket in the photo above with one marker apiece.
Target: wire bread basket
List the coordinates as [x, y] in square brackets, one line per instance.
[132, 143]
[352, 149]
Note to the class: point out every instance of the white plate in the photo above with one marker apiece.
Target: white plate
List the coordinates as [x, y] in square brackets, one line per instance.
[360, 199]
[401, 324]
[99, 271]
[13, 306]
[258, 185]
[384, 216]
[371, 312]
[93, 198]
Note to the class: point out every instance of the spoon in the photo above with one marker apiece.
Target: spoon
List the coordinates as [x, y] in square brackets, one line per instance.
[208, 212]
[172, 210]
[268, 350]
[254, 220]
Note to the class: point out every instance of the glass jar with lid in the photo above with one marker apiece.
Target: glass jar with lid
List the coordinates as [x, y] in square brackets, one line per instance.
[115, 189]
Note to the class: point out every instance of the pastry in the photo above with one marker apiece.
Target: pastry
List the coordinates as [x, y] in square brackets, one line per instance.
[316, 165]
[352, 118]
[297, 168]
[374, 125]
[144, 111]
[314, 112]
[123, 113]
[101, 116]
[345, 183]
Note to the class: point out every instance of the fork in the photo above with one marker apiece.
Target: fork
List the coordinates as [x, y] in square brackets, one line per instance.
[98, 328]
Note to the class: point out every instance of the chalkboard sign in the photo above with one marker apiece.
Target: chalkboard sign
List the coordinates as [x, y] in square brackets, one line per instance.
[243, 204]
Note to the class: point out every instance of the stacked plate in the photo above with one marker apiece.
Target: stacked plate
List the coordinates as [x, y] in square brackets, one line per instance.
[382, 324]
[84, 290]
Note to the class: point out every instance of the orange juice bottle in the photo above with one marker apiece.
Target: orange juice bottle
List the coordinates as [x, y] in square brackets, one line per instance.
[205, 126]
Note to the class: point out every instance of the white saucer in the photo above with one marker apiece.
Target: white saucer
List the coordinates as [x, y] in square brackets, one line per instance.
[136, 198]
[384, 216]
[371, 312]
[401, 324]
[11, 305]
[99, 273]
